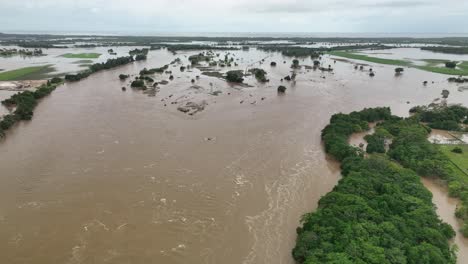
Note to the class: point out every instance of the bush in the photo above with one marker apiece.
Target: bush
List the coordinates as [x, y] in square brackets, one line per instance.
[138, 84]
[56, 80]
[123, 76]
[457, 150]
[259, 74]
[379, 212]
[273, 64]
[295, 64]
[451, 64]
[399, 70]
[235, 76]
[281, 89]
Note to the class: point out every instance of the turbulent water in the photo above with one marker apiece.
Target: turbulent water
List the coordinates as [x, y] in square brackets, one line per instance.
[105, 176]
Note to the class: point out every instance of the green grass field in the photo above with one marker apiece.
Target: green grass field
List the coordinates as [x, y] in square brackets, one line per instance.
[459, 160]
[462, 68]
[27, 73]
[355, 56]
[431, 66]
[82, 55]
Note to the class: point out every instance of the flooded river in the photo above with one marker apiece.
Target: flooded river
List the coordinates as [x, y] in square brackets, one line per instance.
[105, 176]
[446, 207]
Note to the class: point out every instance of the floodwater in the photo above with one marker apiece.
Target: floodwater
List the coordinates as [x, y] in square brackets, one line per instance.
[446, 207]
[60, 64]
[105, 176]
[414, 54]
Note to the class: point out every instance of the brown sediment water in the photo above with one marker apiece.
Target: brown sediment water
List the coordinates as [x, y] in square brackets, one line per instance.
[101, 175]
[446, 207]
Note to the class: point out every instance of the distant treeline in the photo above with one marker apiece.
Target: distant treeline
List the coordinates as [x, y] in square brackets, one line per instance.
[295, 51]
[183, 47]
[379, 212]
[56, 40]
[23, 52]
[450, 50]
[24, 104]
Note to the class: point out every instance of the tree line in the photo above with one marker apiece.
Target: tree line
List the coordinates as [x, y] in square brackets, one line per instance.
[24, 104]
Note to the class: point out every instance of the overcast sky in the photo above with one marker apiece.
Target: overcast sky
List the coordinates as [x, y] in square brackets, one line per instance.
[153, 16]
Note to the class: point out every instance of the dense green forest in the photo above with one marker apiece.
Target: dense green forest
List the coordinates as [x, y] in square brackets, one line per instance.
[380, 212]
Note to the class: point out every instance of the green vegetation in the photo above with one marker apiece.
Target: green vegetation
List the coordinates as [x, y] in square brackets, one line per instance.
[140, 84]
[458, 79]
[21, 52]
[25, 102]
[355, 56]
[442, 117]
[450, 50]
[379, 212]
[145, 71]
[196, 59]
[135, 52]
[109, 64]
[235, 76]
[457, 150]
[431, 66]
[27, 73]
[82, 55]
[460, 70]
[260, 74]
[376, 141]
[123, 76]
[187, 47]
[458, 155]
[281, 89]
[295, 51]
[295, 64]
[451, 64]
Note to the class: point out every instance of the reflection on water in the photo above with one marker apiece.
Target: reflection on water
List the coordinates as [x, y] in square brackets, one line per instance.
[101, 175]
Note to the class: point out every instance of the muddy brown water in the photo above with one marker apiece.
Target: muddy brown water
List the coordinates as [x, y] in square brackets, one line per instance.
[105, 176]
[446, 207]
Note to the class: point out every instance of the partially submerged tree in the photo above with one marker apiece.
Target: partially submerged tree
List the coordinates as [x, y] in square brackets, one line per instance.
[295, 64]
[281, 89]
[451, 64]
[260, 74]
[235, 76]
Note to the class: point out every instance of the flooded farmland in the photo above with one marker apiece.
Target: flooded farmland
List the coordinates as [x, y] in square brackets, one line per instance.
[106, 176]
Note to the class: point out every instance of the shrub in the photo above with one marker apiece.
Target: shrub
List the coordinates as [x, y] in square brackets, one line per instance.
[235, 76]
[138, 84]
[281, 89]
[451, 64]
[457, 150]
[123, 76]
[295, 64]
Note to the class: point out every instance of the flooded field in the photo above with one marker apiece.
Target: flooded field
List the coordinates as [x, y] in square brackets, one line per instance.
[60, 64]
[106, 176]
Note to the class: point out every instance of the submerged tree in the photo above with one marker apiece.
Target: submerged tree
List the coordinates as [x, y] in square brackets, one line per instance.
[235, 76]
